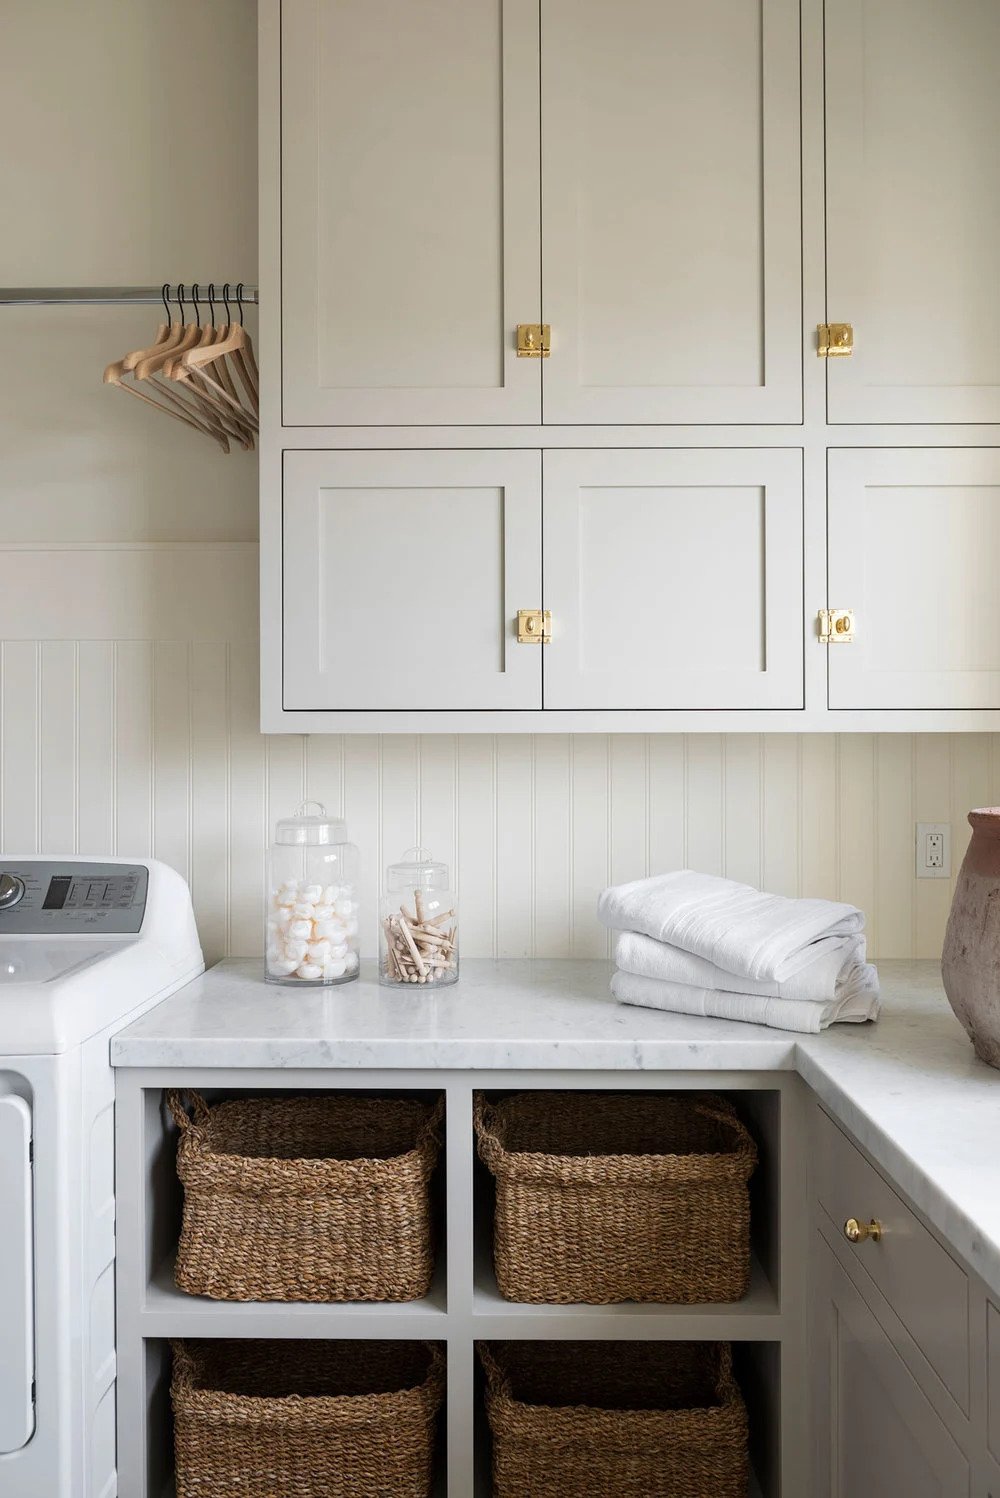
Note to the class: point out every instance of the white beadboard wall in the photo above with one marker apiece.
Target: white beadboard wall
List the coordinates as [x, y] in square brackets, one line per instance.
[121, 730]
[128, 671]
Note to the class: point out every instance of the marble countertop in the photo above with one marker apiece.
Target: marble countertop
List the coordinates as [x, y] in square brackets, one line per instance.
[909, 1088]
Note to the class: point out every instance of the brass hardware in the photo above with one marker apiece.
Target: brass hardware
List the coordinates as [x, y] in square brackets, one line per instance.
[858, 1232]
[534, 627]
[836, 627]
[836, 340]
[533, 340]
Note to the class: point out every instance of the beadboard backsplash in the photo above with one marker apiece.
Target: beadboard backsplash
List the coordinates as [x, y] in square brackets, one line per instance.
[128, 689]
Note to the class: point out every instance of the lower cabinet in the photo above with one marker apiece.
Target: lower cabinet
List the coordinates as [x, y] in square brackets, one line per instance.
[876, 1431]
[673, 579]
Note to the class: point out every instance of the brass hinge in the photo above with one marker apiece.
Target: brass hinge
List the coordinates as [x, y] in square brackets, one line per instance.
[534, 627]
[534, 340]
[835, 340]
[836, 627]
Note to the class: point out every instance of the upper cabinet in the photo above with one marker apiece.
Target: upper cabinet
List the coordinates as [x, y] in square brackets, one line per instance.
[913, 209]
[410, 208]
[625, 173]
[671, 234]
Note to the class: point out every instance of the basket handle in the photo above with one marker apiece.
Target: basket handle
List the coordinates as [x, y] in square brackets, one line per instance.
[491, 1151]
[177, 1100]
[723, 1112]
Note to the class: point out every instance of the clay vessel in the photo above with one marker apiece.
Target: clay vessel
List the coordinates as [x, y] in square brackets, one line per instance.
[970, 963]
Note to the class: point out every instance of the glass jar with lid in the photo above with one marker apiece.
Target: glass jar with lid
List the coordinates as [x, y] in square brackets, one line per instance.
[311, 921]
[418, 924]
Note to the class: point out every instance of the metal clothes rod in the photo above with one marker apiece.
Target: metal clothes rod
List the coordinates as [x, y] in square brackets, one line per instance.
[110, 296]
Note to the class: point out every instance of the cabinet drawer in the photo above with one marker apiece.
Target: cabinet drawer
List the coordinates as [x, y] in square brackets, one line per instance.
[993, 1380]
[928, 1291]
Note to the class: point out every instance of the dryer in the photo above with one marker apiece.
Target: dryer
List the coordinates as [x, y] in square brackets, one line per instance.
[86, 945]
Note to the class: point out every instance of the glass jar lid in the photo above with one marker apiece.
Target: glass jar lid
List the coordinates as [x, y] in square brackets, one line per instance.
[311, 828]
[417, 870]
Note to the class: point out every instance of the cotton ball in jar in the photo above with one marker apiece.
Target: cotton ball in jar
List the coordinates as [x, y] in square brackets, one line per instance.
[309, 970]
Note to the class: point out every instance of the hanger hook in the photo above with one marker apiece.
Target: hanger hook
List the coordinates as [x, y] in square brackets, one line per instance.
[180, 301]
[239, 299]
[225, 298]
[211, 300]
[197, 306]
[166, 305]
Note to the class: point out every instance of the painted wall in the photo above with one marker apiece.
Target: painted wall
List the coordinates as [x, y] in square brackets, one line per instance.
[128, 582]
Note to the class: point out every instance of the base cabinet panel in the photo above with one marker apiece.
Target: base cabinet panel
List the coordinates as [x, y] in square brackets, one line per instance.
[875, 1430]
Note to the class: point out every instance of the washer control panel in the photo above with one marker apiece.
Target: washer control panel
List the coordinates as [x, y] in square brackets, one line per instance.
[39, 897]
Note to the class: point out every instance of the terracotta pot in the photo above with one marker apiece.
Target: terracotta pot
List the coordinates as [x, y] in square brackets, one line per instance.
[970, 963]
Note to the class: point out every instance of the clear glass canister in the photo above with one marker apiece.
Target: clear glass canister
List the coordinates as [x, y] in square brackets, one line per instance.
[311, 930]
[418, 924]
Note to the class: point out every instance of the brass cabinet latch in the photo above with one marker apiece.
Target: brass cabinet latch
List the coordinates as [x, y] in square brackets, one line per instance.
[835, 340]
[534, 627]
[534, 340]
[836, 627]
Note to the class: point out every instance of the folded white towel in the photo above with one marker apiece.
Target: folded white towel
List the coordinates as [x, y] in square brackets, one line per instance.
[768, 938]
[836, 973]
[806, 1016]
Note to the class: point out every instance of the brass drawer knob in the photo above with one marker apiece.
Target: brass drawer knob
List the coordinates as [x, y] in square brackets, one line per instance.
[857, 1232]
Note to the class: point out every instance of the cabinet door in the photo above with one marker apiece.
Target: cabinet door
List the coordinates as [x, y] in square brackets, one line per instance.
[410, 164]
[913, 208]
[674, 579]
[402, 576]
[876, 1432]
[913, 541]
[670, 210]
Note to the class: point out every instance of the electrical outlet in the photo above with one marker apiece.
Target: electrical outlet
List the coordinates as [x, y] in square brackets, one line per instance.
[933, 850]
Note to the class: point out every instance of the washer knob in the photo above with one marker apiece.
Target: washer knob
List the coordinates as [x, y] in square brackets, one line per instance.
[11, 890]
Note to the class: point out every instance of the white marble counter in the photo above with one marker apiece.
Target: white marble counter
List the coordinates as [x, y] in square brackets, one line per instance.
[909, 1088]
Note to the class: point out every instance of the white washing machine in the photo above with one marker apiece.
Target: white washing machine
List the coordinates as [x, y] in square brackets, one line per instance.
[86, 945]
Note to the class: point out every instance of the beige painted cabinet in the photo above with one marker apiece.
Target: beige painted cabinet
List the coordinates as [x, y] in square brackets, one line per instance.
[671, 232]
[913, 538]
[913, 208]
[403, 574]
[435, 157]
[678, 193]
[877, 1432]
[674, 579]
[409, 206]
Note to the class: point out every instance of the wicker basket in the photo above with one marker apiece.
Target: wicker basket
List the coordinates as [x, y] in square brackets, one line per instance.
[305, 1419]
[604, 1198]
[615, 1420]
[307, 1198]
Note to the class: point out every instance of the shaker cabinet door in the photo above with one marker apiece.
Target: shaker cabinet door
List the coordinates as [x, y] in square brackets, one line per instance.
[402, 575]
[913, 209]
[671, 210]
[674, 579]
[913, 537]
[410, 188]
[876, 1432]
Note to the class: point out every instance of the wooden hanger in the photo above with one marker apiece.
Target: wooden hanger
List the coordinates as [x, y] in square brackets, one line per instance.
[228, 413]
[239, 344]
[171, 403]
[155, 368]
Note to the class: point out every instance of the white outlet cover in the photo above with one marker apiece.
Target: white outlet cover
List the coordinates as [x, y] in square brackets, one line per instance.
[923, 869]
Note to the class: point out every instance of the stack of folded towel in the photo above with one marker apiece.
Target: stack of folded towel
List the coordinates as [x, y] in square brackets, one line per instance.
[695, 944]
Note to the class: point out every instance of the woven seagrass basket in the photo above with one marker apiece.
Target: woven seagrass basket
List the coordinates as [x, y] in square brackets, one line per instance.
[603, 1198]
[305, 1419]
[306, 1198]
[615, 1420]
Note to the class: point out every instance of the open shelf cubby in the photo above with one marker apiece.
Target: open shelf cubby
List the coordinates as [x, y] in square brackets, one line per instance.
[464, 1305]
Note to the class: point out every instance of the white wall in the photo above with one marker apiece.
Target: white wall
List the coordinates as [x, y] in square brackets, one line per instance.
[127, 580]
